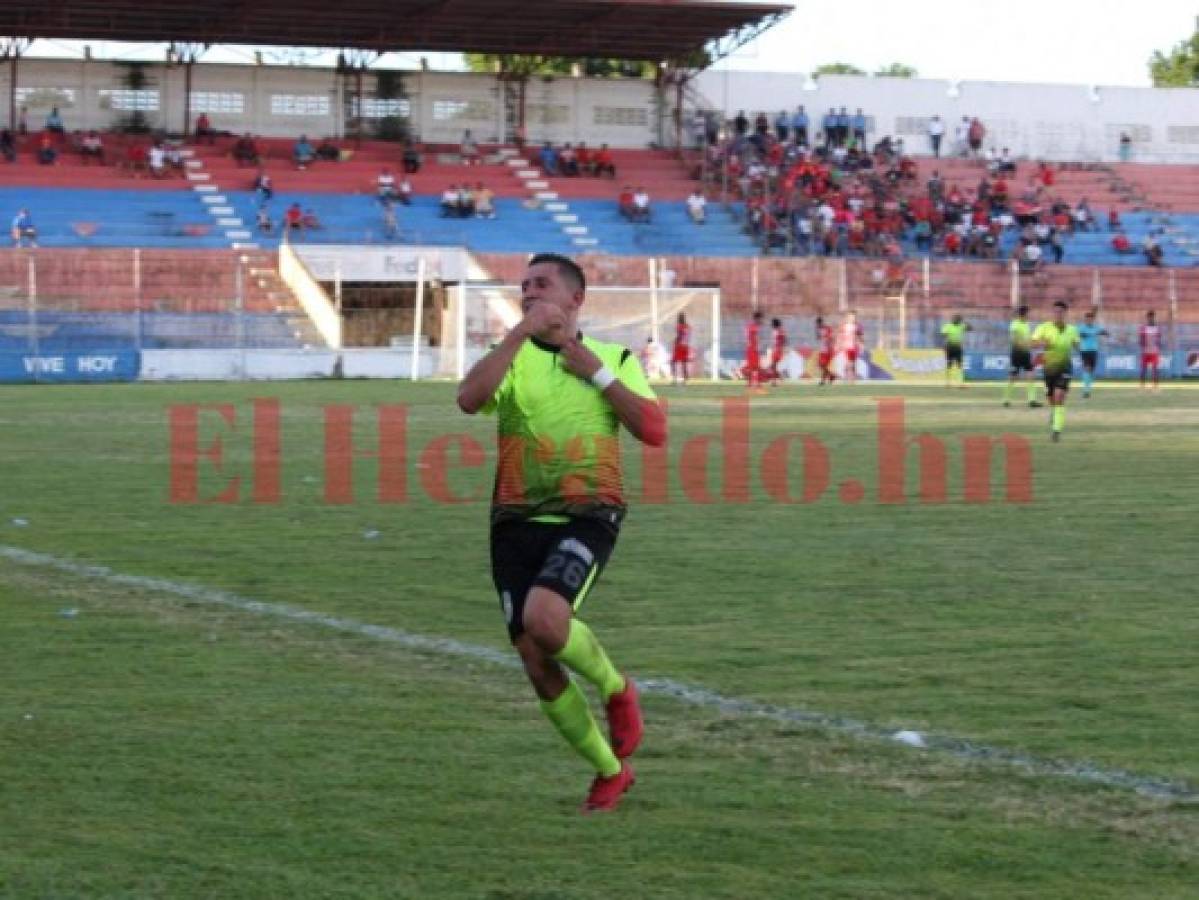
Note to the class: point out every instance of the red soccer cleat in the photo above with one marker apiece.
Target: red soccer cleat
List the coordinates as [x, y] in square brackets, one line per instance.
[605, 793]
[625, 725]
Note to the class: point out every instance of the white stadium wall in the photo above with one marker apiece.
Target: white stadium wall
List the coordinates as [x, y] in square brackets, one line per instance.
[285, 102]
[1039, 121]
[1050, 121]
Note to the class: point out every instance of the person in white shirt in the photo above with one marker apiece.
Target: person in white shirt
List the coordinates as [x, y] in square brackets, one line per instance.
[936, 131]
[961, 137]
[386, 183]
[404, 193]
[449, 202]
[696, 207]
[157, 159]
[641, 211]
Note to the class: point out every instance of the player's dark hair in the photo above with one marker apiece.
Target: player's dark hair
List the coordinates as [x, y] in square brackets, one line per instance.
[776, 323]
[1023, 310]
[567, 268]
[757, 315]
[1061, 303]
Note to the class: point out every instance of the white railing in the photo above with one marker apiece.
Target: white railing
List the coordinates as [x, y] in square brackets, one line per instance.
[316, 303]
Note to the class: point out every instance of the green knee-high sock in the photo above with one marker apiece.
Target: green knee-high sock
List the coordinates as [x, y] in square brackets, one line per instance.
[583, 653]
[1007, 392]
[1032, 391]
[1059, 417]
[572, 717]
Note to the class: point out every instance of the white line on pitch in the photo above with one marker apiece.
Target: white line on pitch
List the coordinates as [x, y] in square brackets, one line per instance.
[697, 696]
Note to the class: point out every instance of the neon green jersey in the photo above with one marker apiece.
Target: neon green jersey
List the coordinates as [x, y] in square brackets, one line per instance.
[954, 333]
[1059, 346]
[1021, 334]
[559, 441]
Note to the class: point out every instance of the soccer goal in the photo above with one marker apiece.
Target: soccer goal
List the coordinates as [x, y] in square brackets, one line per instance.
[643, 319]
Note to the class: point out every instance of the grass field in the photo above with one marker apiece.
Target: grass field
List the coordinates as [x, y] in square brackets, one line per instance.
[158, 743]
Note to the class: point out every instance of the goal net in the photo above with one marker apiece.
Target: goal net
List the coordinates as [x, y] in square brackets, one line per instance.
[479, 315]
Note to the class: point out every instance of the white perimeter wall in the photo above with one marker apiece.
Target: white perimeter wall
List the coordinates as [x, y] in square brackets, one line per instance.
[620, 112]
[1051, 121]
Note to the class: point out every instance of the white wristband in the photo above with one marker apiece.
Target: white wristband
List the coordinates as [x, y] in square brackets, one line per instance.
[603, 377]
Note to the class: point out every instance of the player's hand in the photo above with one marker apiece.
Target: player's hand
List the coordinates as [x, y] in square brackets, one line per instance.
[579, 359]
[543, 319]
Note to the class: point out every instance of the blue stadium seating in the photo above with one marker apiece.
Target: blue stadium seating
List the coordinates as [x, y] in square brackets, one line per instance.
[179, 219]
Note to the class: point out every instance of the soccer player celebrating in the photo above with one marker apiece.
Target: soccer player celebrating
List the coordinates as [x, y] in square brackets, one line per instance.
[753, 358]
[560, 398]
[954, 334]
[826, 337]
[1059, 340]
[1151, 348]
[778, 345]
[1089, 334]
[680, 357]
[1020, 334]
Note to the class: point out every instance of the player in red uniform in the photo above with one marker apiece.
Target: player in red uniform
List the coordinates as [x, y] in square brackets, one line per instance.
[778, 346]
[1151, 348]
[753, 359]
[826, 338]
[680, 357]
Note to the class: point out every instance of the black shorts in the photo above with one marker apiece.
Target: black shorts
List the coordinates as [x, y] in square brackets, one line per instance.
[1090, 359]
[1021, 361]
[1057, 381]
[953, 354]
[565, 558]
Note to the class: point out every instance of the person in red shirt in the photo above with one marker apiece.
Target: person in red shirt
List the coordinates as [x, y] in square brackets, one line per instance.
[680, 357]
[778, 346]
[1121, 243]
[584, 160]
[293, 218]
[204, 131]
[1151, 348]
[604, 164]
[624, 202]
[753, 359]
[827, 340]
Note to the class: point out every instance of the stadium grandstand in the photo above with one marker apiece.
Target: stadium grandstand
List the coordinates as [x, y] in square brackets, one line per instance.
[237, 175]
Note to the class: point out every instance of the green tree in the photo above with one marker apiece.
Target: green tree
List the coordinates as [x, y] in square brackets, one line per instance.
[897, 70]
[524, 65]
[837, 68]
[1179, 67]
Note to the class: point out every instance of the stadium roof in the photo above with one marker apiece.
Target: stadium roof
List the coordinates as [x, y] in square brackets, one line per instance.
[633, 29]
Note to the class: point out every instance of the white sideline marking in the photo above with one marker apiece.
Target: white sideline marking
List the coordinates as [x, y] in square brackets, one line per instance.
[691, 694]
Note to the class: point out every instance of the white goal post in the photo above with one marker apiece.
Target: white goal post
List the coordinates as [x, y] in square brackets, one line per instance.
[641, 318]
